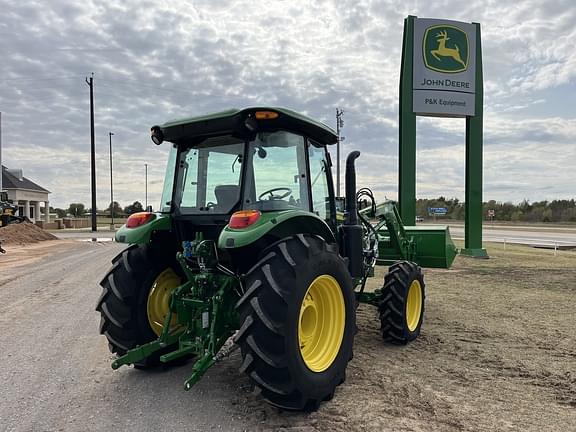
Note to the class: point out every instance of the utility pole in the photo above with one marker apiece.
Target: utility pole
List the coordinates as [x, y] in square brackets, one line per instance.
[111, 189]
[339, 125]
[90, 83]
[146, 182]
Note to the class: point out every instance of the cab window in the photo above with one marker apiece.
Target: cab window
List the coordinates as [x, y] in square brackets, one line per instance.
[319, 182]
[276, 178]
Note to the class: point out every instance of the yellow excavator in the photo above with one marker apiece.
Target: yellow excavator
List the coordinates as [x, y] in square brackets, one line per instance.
[8, 214]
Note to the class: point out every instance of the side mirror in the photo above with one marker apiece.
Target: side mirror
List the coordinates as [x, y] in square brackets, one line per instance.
[156, 135]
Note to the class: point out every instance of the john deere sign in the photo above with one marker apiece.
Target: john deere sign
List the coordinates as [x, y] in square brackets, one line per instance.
[444, 68]
[441, 76]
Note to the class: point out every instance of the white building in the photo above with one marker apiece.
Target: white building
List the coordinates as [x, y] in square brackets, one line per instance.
[26, 194]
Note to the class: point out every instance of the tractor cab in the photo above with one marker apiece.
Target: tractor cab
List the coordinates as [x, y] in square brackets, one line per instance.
[254, 159]
[268, 166]
[271, 171]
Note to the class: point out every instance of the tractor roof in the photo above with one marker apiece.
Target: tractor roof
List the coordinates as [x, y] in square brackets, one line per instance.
[233, 121]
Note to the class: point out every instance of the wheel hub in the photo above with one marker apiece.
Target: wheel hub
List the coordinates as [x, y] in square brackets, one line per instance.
[159, 300]
[321, 323]
[413, 305]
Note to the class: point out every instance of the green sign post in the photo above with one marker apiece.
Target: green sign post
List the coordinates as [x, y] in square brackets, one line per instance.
[441, 76]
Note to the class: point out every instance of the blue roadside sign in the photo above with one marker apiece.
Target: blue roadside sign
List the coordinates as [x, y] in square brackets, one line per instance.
[437, 210]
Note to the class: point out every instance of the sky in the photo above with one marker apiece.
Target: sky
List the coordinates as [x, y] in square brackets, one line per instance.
[157, 61]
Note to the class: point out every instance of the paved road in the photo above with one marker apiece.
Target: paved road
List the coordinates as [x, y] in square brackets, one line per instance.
[55, 367]
[563, 237]
[531, 235]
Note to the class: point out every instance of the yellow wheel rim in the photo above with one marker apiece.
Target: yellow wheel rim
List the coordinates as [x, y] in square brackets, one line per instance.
[321, 323]
[159, 299]
[414, 305]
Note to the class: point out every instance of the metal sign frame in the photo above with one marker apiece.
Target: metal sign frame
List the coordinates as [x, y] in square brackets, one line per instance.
[473, 159]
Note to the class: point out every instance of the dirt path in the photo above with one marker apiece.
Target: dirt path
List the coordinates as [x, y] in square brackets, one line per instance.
[497, 353]
[55, 367]
[25, 255]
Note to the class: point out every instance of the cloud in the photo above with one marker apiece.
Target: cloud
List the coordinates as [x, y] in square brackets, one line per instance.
[158, 61]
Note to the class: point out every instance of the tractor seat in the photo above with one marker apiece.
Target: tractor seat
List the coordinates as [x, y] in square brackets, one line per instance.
[226, 197]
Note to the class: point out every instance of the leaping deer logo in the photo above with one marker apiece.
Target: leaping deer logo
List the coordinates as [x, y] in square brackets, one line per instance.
[443, 51]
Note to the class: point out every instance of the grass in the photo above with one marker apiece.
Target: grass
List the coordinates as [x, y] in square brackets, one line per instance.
[519, 256]
[517, 265]
[521, 267]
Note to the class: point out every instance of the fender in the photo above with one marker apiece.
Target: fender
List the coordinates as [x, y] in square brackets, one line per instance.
[142, 233]
[279, 224]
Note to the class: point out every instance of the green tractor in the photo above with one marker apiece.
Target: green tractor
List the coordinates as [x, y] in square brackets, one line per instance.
[249, 251]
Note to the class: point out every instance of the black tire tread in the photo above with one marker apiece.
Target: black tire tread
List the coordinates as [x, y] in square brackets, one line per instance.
[392, 306]
[261, 336]
[121, 301]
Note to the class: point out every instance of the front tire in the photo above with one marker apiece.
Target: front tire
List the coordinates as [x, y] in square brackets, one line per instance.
[297, 323]
[402, 307]
[132, 300]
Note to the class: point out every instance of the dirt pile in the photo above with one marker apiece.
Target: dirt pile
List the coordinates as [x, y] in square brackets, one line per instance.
[24, 233]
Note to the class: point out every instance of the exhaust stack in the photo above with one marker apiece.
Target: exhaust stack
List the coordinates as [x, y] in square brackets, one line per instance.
[351, 230]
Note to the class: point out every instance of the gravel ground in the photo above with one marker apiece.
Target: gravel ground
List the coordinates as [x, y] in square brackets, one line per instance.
[497, 352]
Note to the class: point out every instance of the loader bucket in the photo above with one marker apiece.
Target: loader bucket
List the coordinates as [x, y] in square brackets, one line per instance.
[434, 246]
[429, 246]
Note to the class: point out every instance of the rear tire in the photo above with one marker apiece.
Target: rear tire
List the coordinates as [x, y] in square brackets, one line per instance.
[299, 281]
[402, 307]
[123, 303]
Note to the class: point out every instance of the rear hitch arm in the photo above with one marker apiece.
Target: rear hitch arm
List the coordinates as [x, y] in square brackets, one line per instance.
[192, 336]
[143, 351]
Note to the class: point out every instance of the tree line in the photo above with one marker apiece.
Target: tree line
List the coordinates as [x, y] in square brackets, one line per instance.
[538, 211]
[80, 210]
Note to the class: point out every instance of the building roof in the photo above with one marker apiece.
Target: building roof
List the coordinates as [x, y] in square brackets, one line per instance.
[10, 181]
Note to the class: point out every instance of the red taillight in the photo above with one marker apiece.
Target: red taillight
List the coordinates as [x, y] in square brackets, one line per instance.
[244, 218]
[137, 219]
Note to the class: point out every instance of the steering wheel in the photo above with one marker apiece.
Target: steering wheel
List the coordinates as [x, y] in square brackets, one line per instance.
[288, 191]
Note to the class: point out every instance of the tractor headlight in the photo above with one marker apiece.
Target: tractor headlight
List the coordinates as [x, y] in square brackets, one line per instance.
[251, 124]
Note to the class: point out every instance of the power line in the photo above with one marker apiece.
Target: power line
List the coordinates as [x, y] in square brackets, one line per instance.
[42, 79]
[140, 84]
[105, 82]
